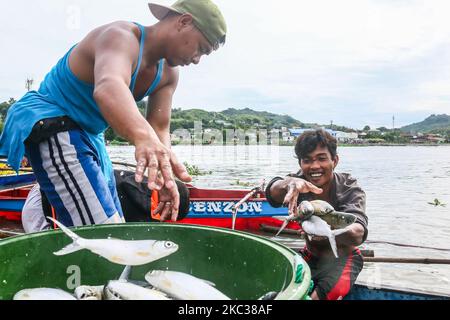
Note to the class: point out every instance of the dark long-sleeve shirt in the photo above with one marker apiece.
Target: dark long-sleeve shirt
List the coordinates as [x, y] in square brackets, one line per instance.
[346, 195]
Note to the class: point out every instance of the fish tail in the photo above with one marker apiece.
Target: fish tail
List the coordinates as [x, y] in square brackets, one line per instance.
[71, 234]
[339, 232]
[125, 273]
[73, 247]
[332, 238]
[285, 223]
[333, 245]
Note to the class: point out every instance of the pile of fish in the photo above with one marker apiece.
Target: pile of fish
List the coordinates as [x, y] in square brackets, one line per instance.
[158, 284]
[318, 218]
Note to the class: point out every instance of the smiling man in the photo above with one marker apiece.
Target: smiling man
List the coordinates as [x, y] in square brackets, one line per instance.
[95, 85]
[316, 151]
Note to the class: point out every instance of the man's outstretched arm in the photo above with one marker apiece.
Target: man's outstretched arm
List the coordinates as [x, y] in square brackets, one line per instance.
[114, 53]
[159, 111]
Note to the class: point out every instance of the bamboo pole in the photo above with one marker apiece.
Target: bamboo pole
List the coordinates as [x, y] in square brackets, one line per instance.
[406, 245]
[407, 260]
[271, 229]
[266, 228]
[6, 234]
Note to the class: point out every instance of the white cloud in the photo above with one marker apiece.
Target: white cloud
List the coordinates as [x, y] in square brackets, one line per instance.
[352, 61]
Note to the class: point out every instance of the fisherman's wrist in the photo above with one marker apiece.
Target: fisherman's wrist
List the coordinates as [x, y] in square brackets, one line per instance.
[268, 192]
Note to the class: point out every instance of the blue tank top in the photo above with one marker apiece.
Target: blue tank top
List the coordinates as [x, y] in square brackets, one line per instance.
[63, 94]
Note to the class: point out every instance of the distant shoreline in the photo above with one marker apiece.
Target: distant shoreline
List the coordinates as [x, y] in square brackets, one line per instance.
[395, 145]
[125, 144]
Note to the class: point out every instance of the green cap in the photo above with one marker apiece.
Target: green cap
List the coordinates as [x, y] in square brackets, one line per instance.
[206, 15]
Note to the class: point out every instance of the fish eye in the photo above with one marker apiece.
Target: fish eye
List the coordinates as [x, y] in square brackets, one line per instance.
[168, 245]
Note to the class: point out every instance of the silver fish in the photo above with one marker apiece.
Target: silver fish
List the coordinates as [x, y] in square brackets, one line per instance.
[336, 219]
[339, 220]
[125, 275]
[315, 226]
[123, 252]
[124, 290]
[269, 296]
[43, 294]
[89, 292]
[321, 208]
[97, 292]
[305, 211]
[184, 286]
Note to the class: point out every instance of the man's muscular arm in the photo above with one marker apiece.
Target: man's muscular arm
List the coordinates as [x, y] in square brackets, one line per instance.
[115, 50]
[159, 108]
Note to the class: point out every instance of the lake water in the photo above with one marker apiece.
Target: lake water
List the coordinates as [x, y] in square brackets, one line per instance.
[399, 183]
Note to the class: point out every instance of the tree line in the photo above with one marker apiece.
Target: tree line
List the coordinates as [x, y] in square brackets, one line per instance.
[250, 119]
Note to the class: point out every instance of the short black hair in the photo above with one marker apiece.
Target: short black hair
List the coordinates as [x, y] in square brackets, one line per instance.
[311, 139]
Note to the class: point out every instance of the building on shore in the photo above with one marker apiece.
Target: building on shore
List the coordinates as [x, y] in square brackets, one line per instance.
[346, 137]
[296, 132]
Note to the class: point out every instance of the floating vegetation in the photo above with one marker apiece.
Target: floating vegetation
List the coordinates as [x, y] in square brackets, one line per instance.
[242, 183]
[437, 203]
[195, 171]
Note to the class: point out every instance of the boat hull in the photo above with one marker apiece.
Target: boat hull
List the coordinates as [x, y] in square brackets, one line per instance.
[15, 179]
[365, 292]
[207, 208]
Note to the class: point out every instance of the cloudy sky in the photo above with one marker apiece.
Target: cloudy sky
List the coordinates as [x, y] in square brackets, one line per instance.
[353, 62]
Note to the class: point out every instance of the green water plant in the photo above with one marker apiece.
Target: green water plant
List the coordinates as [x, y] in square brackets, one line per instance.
[242, 183]
[437, 203]
[193, 170]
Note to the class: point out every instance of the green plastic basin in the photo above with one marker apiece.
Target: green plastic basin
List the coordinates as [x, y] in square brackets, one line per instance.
[242, 265]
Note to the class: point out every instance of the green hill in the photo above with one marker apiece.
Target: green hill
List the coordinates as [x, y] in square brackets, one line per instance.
[433, 124]
[231, 118]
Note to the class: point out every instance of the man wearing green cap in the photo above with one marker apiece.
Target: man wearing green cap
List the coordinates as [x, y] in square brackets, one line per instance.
[96, 85]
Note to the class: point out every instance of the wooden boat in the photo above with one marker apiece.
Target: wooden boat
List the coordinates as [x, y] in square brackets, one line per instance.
[14, 179]
[207, 208]
[361, 291]
[215, 208]
[9, 177]
[210, 207]
[12, 201]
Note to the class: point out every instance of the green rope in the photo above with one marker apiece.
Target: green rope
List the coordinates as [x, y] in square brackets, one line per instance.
[311, 287]
[299, 274]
